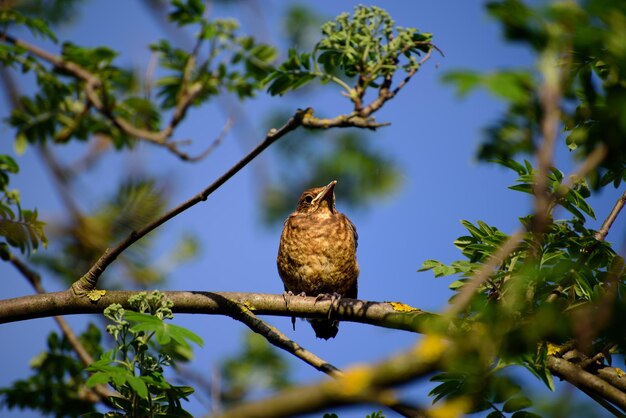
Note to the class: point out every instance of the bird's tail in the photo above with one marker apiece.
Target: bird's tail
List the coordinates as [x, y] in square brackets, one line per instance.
[325, 328]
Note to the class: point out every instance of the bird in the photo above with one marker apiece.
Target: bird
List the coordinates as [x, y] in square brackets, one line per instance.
[317, 253]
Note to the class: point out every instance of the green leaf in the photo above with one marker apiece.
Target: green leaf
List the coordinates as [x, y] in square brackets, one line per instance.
[138, 385]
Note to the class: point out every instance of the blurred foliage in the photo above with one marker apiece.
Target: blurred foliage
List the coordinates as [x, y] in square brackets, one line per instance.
[81, 240]
[58, 111]
[57, 385]
[256, 369]
[56, 13]
[363, 171]
[591, 38]
[562, 287]
[19, 228]
[134, 367]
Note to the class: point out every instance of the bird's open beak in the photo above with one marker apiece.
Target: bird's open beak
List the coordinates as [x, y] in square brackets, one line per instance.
[327, 194]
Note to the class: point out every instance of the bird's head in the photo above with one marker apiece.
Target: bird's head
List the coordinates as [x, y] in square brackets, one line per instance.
[320, 200]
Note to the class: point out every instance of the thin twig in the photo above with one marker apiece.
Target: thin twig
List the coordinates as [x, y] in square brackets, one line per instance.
[608, 222]
[89, 280]
[244, 315]
[216, 142]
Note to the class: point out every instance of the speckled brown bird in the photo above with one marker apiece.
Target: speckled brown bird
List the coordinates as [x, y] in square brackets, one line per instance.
[317, 252]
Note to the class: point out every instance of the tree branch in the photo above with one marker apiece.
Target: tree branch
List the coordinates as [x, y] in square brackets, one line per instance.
[92, 83]
[217, 303]
[89, 280]
[608, 222]
[244, 315]
[355, 386]
[587, 381]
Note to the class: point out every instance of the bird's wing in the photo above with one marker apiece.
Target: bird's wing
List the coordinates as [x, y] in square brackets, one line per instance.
[356, 234]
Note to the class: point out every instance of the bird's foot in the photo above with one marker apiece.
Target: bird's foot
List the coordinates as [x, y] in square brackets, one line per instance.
[287, 295]
[334, 301]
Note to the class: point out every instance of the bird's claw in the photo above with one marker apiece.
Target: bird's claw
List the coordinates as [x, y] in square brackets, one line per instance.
[334, 301]
[287, 295]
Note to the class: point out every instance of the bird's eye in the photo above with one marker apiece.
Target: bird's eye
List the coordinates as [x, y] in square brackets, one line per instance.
[308, 199]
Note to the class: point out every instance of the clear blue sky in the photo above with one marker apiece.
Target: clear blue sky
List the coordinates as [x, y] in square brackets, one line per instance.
[433, 137]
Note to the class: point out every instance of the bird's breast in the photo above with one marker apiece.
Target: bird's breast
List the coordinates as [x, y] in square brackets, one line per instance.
[317, 254]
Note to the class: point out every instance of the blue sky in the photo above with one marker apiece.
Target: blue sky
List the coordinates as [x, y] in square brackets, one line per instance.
[433, 137]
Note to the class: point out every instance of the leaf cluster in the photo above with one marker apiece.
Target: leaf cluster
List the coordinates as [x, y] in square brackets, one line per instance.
[20, 228]
[135, 366]
[71, 105]
[367, 45]
[537, 294]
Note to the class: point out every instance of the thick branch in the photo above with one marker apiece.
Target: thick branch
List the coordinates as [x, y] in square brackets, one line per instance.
[217, 303]
[585, 380]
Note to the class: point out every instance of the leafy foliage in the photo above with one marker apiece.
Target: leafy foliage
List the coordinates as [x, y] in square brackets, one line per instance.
[19, 227]
[63, 107]
[366, 44]
[557, 288]
[593, 91]
[135, 366]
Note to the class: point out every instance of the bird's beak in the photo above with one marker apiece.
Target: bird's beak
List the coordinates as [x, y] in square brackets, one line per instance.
[328, 194]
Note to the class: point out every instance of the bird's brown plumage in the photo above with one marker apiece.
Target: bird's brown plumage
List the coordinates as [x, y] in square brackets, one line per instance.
[317, 252]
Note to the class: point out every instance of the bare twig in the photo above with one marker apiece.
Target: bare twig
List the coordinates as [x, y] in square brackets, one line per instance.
[216, 142]
[608, 222]
[89, 280]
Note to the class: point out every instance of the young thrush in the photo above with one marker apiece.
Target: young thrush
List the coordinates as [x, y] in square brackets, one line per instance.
[317, 252]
